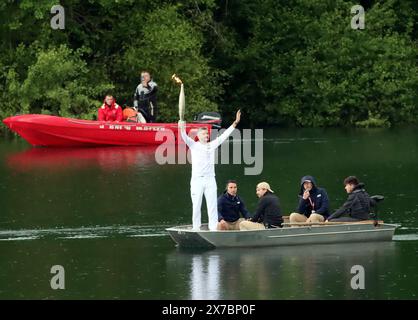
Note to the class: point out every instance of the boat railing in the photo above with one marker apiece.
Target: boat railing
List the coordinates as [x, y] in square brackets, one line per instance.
[331, 223]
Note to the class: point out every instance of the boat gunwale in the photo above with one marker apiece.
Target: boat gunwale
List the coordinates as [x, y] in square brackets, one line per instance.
[64, 120]
[316, 227]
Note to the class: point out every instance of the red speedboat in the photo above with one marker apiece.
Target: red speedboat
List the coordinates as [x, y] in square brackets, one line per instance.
[52, 131]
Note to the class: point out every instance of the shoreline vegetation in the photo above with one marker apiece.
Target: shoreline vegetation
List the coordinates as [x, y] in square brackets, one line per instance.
[284, 63]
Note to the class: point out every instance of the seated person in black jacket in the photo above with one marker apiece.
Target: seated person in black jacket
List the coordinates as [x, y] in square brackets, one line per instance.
[230, 206]
[357, 206]
[268, 213]
[313, 203]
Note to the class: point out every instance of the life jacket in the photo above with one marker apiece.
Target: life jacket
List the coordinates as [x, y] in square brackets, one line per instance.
[129, 114]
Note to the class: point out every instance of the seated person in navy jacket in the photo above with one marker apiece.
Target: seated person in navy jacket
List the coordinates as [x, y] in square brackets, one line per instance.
[230, 208]
[313, 203]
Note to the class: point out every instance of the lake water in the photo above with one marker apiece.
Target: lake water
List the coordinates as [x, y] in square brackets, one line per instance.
[101, 213]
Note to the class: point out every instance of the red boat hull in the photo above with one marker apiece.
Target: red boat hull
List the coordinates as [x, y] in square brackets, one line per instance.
[52, 131]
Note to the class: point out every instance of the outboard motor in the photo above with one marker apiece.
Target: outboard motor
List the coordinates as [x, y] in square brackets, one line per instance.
[373, 214]
[213, 118]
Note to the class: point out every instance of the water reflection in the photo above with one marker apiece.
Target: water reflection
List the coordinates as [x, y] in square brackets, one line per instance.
[205, 277]
[316, 272]
[107, 158]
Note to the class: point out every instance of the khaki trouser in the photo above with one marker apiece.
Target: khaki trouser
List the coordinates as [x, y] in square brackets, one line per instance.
[313, 218]
[249, 225]
[231, 225]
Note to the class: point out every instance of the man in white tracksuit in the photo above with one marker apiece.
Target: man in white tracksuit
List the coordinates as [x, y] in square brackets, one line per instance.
[203, 171]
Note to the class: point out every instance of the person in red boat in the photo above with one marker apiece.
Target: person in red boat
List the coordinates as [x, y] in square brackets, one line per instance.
[110, 110]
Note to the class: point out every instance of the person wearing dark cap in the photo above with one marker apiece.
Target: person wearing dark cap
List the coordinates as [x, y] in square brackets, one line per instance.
[313, 203]
[230, 208]
[357, 206]
[268, 213]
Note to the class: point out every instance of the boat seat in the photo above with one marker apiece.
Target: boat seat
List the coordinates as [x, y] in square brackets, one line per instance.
[332, 223]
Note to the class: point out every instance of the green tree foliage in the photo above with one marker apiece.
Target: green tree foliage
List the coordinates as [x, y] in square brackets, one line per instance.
[300, 62]
[59, 82]
[292, 62]
[170, 45]
[103, 48]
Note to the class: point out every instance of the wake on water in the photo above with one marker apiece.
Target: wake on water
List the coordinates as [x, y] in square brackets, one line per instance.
[119, 231]
[84, 232]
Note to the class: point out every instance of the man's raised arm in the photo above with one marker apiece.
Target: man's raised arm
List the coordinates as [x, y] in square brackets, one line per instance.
[182, 126]
[219, 140]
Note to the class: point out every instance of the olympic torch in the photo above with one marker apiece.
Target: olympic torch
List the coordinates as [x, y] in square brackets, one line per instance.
[182, 106]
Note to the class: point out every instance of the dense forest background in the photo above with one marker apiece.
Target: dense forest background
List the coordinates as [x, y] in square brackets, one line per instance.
[284, 62]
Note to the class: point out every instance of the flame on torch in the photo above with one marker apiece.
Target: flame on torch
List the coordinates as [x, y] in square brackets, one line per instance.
[176, 79]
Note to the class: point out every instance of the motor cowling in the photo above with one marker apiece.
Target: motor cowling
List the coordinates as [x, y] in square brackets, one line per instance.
[213, 118]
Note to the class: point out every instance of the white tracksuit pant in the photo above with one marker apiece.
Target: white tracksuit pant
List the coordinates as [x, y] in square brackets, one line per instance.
[200, 186]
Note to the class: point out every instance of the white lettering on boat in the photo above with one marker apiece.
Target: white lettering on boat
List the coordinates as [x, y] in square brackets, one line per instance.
[146, 128]
[129, 128]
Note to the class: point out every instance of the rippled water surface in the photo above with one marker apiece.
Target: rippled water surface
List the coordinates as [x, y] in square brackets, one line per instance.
[101, 213]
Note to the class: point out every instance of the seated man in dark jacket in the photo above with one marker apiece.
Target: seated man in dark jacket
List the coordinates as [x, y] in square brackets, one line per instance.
[230, 205]
[357, 206]
[268, 213]
[313, 203]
